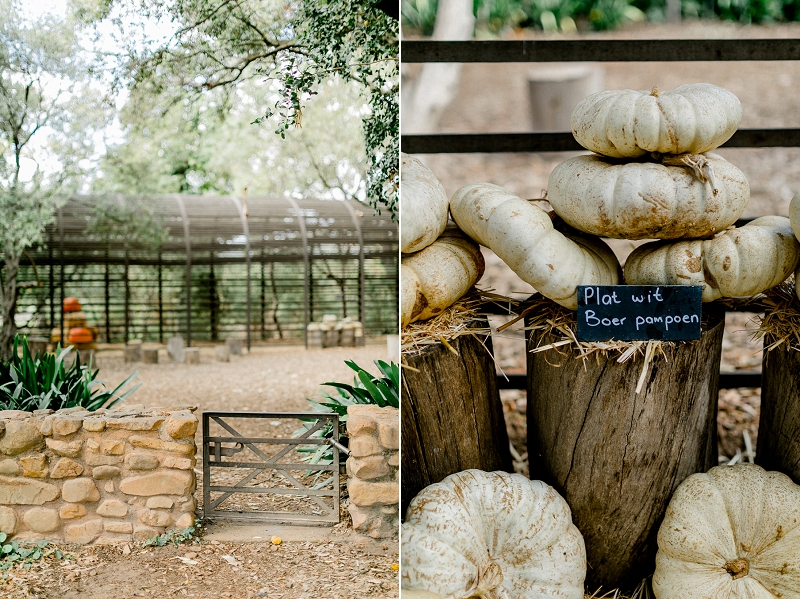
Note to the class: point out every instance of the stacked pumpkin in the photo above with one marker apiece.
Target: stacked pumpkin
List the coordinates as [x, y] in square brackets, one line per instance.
[79, 333]
[439, 262]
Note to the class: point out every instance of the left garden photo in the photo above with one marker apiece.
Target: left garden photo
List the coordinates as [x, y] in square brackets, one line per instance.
[199, 378]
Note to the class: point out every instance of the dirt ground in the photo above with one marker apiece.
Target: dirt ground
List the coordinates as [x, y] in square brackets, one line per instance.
[494, 98]
[340, 565]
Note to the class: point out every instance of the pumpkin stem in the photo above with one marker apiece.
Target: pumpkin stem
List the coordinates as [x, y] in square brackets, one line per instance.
[490, 576]
[702, 168]
[738, 568]
[655, 93]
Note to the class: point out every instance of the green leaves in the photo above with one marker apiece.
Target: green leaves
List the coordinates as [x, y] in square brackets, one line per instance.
[43, 381]
[176, 537]
[13, 553]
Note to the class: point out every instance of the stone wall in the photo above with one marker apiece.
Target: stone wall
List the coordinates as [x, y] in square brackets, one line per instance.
[94, 477]
[373, 469]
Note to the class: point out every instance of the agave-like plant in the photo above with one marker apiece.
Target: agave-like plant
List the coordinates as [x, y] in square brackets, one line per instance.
[43, 381]
[381, 391]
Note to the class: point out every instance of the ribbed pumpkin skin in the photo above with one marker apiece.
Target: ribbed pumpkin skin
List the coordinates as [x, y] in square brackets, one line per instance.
[493, 535]
[80, 335]
[423, 204]
[646, 200]
[693, 118]
[435, 278]
[733, 521]
[737, 263]
[522, 235]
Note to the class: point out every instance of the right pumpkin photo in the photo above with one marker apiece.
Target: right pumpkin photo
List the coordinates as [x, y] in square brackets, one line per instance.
[600, 325]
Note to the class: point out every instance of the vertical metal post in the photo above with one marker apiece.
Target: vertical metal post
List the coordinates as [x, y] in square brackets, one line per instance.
[127, 298]
[246, 231]
[206, 468]
[160, 301]
[306, 266]
[52, 283]
[108, 299]
[61, 273]
[188, 242]
[360, 234]
[263, 299]
[212, 297]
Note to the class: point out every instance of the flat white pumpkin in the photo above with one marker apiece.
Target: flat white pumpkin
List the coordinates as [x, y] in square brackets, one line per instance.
[736, 263]
[492, 535]
[731, 533]
[692, 118]
[423, 204]
[646, 200]
[522, 235]
[434, 278]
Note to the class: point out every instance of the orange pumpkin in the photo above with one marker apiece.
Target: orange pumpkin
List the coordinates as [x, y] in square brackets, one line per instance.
[71, 304]
[80, 335]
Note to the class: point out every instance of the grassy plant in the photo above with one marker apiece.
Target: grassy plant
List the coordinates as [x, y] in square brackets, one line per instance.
[174, 536]
[30, 382]
[381, 391]
[12, 553]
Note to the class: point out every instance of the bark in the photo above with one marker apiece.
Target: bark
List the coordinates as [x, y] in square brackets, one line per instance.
[8, 304]
[779, 424]
[451, 415]
[617, 456]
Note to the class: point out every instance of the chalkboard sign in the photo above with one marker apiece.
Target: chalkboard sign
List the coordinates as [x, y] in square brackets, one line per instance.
[639, 312]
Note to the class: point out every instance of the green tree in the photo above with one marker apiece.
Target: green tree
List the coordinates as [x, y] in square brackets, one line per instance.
[46, 129]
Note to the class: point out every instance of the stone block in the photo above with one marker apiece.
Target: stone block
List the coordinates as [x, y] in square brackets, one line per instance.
[42, 519]
[369, 467]
[188, 449]
[34, 466]
[150, 355]
[8, 520]
[364, 445]
[150, 423]
[118, 527]
[68, 449]
[160, 502]
[154, 517]
[389, 434]
[80, 490]
[14, 415]
[174, 482]
[105, 472]
[23, 491]
[66, 468]
[141, 461]
[175, 349]
[9, 467]
[184, 521]
[367, 522]
[112, 508]
[20, 437]
[360, 422]
[112, 446]
[234, 345]
[133, 351]
[223, 353]
[70, 511]
[365, 494]
[109, 486]
[192, 355]
[94, 425]
[66, 425]
[83, 533]
[182, 425]
[394, 460]
[145, 533]
[171, 461]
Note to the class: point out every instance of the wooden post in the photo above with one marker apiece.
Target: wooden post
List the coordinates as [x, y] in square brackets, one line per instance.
[452, 418]
[617, 456]
[778, 445]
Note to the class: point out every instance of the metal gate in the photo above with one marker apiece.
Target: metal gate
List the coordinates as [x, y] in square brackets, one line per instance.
[277, 484]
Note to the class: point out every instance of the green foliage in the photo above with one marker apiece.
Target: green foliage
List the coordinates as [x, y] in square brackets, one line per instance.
[174, 536]
[381, 391]
[13, 553]
[43, 381]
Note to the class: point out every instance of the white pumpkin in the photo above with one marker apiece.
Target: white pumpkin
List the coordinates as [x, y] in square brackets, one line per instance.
[522, 235]
[646, 200]
[436, 277]
[423, 204]
[492, 535]
[731, 533]
[692, 118]
[736, 263]
[794, 214]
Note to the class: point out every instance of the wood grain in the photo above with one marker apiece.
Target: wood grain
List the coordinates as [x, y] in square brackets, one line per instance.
[616, 456]
[779, 425]
[451, 415]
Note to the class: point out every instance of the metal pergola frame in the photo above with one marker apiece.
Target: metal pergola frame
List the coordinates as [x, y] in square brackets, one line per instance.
[595, 51]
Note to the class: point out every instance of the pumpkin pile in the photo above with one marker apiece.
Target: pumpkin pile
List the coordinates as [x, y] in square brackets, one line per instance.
[79, 333]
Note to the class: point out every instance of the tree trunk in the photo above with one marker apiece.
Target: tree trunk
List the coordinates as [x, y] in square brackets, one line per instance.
[617, 456]
[8, 304]
[452, 418]
[779, 424]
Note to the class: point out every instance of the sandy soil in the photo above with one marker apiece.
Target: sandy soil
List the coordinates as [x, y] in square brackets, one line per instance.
[345, 565]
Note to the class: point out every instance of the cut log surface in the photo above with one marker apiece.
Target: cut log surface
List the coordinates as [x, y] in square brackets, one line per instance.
[617, 456]
[779, 425]
[451, 415]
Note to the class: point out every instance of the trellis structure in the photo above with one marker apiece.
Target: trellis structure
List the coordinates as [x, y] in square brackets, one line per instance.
[258, 269]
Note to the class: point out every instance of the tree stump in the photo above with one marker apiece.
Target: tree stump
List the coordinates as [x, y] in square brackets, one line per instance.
[192, 355]
[223, 353]
[617, 456]
[778, 446]
[451, 416]
[150, 355]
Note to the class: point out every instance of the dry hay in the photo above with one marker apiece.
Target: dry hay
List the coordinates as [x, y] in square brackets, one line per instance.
[462, 318]
[779, 324]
